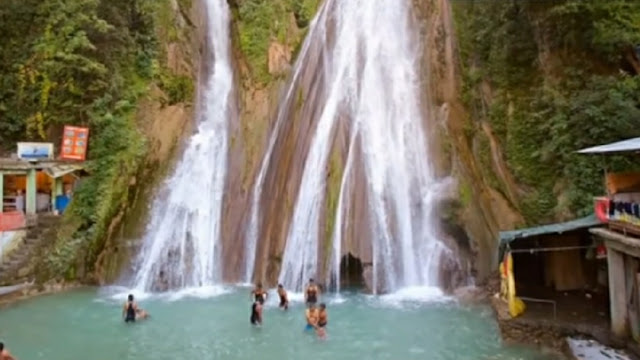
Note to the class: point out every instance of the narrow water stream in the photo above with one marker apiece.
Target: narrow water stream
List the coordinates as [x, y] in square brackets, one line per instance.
[86, 325]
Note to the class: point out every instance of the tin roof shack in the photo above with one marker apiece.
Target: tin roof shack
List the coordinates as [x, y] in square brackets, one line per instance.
[620, 210]
[558, 273]
[31, 187]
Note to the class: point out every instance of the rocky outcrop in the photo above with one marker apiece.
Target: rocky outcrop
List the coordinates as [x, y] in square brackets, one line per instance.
[165, 124]
[475, 207]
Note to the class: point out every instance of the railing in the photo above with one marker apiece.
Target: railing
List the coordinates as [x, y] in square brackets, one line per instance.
[544, 301]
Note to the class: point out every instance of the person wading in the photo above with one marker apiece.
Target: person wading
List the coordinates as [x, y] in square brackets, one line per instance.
[256, 313]
[258, 294]
[5, 354]
[284, 299]
[323, 320]
[312, 293]
[131, 312]
[311, 315]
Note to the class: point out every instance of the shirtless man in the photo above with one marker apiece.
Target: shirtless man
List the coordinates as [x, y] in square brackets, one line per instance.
[311, 315]
[284, 299]
[5, 354]
[323, 320]
[258, 294]
[312, 293]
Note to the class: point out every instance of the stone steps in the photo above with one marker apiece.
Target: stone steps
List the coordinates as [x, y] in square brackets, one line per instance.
[18, 260]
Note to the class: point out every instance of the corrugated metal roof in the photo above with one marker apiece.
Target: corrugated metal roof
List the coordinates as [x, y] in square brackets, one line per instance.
[59, 170]
[620, 146]
[559, 228]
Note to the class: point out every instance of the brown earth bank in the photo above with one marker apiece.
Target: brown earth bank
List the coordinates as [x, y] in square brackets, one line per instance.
[35, 290]
[547, 332]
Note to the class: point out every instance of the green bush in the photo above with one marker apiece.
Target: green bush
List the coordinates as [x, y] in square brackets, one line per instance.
[542, 115]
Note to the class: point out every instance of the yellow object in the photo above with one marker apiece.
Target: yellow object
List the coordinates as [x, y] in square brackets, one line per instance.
[508, 287]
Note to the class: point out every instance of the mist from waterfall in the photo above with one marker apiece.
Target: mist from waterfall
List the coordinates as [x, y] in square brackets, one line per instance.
[182, 247]
[370, 85]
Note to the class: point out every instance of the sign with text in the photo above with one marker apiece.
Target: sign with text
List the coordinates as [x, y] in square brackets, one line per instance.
[74, 143]
[35, 150]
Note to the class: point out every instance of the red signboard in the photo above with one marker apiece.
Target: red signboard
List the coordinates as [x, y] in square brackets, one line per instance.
[74, 143]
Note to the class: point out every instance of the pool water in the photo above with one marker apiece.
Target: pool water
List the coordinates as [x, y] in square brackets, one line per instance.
[87, 324]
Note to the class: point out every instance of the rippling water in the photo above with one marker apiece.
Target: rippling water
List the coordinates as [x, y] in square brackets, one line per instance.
[87, 325]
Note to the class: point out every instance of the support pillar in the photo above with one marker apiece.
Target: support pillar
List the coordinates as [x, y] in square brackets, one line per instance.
[617, 292]
[30, 207]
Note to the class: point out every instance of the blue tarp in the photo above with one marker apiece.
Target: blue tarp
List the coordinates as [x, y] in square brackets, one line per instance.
[61, 203]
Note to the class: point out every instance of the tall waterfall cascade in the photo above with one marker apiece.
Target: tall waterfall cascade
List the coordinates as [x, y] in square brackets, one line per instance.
[367, 57]
[182, 247]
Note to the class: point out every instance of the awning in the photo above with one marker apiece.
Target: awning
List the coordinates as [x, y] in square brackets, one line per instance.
[628, 145]
[559, 228]
[59, 170]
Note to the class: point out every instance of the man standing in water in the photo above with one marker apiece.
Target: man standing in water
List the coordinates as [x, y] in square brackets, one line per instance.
[312, 293]
[131, 312]
[258, 294]
[256, 313]
[311, 315]
[5, 354]
[284, 300]
[323, 320]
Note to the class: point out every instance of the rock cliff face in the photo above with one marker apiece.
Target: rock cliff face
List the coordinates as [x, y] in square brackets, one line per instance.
[165, 125]
[475, 212]
[498, 97]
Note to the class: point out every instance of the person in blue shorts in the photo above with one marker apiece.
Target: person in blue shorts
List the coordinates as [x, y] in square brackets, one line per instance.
[311, 315]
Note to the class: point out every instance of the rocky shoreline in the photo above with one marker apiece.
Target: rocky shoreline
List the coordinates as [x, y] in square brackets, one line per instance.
[552, 336]
[34, 290]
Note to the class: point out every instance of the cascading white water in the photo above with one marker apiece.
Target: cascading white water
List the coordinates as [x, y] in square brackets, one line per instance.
[181, 246]
[371, 80]
[251, 236]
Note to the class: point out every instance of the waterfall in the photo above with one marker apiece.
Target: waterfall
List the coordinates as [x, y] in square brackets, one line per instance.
[370, 84]
[181, 247]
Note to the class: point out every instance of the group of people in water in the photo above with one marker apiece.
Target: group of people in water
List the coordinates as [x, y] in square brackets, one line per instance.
[316, 316]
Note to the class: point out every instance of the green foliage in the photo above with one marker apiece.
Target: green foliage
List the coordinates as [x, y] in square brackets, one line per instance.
[607, 27]
[85, 62]
[261, 22]
[304, 11]
[543, 112]
[179, 88]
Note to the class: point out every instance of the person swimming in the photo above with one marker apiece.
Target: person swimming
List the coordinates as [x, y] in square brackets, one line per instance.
[4, 353]
[284, 299]
[311, 314]
[256, 313]
[323, 320]
[312, 293]
[131, 312]
[259, 294]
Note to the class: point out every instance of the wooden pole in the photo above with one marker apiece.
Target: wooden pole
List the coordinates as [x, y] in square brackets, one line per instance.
[617, 292]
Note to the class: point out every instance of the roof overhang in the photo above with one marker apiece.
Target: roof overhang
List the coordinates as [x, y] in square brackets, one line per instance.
[629, 145]
[59, 170]
[559, 228]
